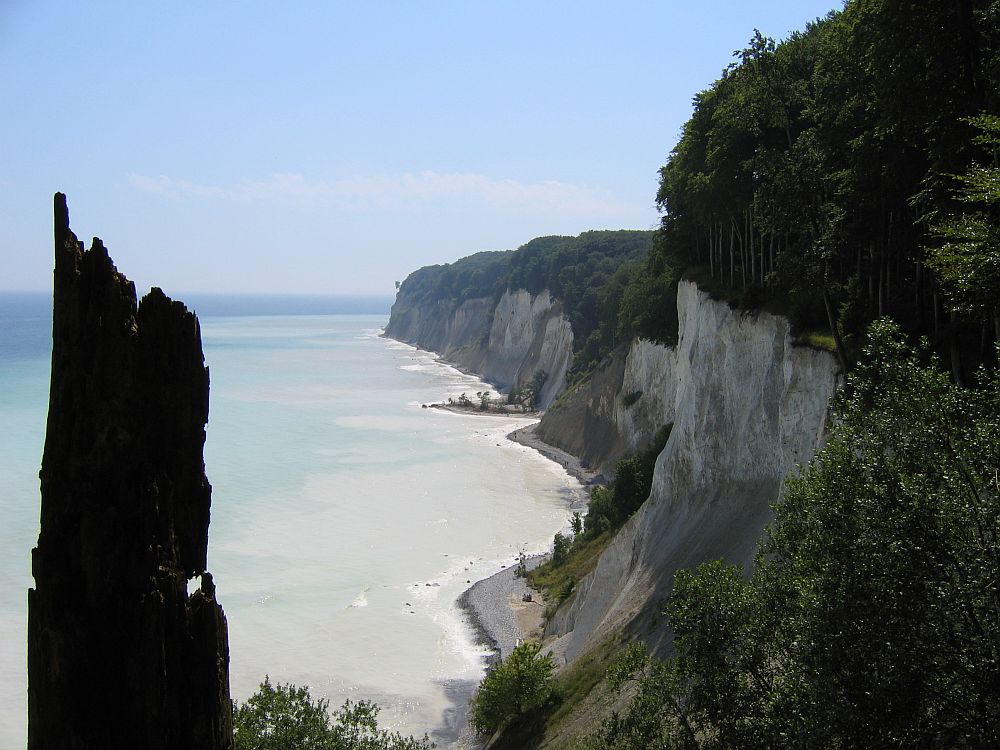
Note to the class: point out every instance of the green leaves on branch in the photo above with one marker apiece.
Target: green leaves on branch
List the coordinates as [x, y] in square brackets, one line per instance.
[967, 260]
[513, 687]
[815, 172]
[285, 717]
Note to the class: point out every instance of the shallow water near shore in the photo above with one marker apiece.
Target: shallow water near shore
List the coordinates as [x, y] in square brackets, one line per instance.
[346, 519]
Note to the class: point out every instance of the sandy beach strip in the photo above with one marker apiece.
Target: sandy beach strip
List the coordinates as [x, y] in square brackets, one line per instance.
[529, 436]
[496, 610]
[495, 606]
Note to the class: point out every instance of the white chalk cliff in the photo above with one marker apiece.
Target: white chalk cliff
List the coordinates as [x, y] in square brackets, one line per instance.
[747, 406]
[506, 343]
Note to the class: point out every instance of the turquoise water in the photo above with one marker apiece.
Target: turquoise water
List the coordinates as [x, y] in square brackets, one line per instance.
[346, 519]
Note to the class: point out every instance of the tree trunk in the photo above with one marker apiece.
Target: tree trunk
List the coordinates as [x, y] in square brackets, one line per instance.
[841, 351]
[937, 321]
[871, 275]
[954, 350]
[711, 253]
[732, 257]
[881, 282]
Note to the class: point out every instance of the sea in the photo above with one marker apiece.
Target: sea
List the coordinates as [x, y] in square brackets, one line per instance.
[347, 518]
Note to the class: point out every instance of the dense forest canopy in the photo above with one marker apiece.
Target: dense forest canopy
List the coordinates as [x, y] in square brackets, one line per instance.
[832, 171]
[851, 173]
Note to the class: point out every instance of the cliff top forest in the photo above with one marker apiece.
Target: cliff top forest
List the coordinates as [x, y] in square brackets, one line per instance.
[845, 173]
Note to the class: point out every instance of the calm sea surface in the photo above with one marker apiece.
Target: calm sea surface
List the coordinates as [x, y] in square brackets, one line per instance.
[346, 519]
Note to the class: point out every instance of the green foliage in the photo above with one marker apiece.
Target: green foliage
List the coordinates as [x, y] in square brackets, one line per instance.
[817, 340]
[630, 398]
[560, 548]
[578, 679]
[555, 580]
[513, 687]
[611, 506]
[285, 717]
[968, 259]
[647, 306]
[567, 589]
[529, 394]
[600, 511]
[828, 157]
[590, 274]
[479, 275]
[485, 399]
[872, 617]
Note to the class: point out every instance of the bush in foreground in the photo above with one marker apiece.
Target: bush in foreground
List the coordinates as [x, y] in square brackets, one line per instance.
[285, 717]
[514, 686]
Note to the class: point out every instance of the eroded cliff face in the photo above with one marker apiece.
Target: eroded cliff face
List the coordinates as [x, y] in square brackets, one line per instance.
[616, 412]
[582, 421]
[507, 343]
[747, 407]
[119, 655]
[440, 326]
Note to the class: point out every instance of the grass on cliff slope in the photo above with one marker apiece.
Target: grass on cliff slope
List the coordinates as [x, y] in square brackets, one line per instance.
[609, 508]
[557, 582]
[576, 682]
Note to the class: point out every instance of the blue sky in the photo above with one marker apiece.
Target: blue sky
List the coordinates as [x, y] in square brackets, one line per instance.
[333, 147]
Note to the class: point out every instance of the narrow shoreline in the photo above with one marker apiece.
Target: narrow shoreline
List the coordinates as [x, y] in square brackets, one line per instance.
[528, 436]
[488, 605]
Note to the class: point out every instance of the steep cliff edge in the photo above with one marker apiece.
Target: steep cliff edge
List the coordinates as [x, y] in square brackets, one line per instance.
[507, 343]
[119, 655]
[617, 410]
[746, 406]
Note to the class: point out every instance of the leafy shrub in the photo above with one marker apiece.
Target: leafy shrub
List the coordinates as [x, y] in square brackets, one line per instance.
[514, 686]
[631, 398]
[560, 548]
[611, 506]
[285, 717]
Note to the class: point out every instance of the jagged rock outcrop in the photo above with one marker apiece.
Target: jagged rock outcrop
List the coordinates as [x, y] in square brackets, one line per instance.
[507, 343]
[747, 406]
[119, 655]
